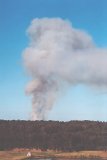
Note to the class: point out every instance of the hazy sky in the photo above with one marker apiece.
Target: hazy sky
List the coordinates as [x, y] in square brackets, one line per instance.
[77, 102]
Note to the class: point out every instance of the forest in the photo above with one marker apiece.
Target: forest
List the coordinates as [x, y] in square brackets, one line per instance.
[53, 135]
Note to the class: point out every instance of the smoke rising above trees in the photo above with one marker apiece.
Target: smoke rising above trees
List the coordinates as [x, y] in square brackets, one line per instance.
[58, 52]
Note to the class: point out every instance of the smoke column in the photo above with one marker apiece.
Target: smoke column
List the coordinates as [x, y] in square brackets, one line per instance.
[58, 53]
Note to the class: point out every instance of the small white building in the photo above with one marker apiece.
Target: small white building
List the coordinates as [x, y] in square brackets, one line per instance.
[29, 154]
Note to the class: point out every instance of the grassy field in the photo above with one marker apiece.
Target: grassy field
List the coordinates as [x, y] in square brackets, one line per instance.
[21, 154]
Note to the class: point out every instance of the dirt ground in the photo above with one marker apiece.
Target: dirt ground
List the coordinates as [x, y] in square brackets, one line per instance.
[21, 154]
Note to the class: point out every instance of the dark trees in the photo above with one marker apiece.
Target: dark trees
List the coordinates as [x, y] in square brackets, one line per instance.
[65, 136]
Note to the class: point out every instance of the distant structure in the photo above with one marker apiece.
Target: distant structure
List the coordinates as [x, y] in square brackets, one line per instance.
[29, 154]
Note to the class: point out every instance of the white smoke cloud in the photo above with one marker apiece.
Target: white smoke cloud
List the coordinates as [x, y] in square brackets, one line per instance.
[58, 52]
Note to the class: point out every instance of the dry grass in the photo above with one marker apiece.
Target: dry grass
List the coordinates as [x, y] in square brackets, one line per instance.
[21, 154]
[86, 154]
[12, 155]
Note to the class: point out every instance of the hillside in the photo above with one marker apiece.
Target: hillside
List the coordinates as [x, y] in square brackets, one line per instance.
[54, 135]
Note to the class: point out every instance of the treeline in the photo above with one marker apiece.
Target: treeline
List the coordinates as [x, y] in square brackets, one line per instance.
[55, 135]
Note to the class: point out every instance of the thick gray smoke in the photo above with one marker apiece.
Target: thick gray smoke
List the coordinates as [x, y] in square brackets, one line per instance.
[60, 53]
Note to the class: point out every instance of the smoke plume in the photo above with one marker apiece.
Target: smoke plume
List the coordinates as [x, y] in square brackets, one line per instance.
[60, 53]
